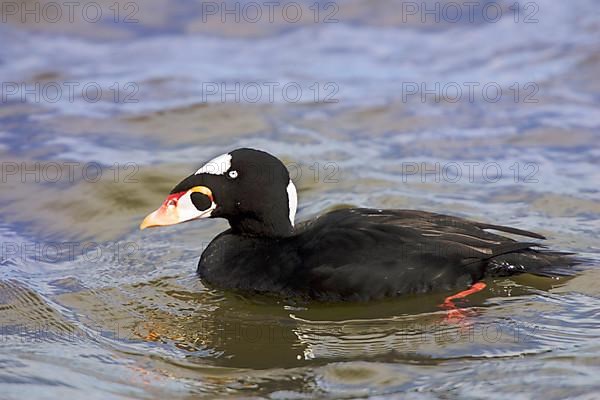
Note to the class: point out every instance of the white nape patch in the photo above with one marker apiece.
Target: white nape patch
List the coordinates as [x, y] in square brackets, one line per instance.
[292, 200]
[216, 166]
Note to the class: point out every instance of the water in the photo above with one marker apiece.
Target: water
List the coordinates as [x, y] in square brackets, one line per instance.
[90, 306]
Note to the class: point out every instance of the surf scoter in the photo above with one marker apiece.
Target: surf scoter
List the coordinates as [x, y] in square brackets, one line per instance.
[348, 254]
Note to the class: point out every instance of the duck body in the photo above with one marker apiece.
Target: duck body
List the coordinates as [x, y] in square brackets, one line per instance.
[355, 254]
[363, 254]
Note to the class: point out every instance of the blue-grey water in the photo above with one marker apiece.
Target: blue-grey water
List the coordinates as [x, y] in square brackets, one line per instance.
[493, 115]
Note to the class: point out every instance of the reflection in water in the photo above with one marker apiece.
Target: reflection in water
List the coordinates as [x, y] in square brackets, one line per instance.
[240, 332]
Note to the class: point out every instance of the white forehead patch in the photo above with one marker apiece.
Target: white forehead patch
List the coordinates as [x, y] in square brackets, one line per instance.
[292, 200]
[216, 166]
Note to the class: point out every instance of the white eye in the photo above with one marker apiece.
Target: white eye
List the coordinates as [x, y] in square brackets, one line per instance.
[233, 174]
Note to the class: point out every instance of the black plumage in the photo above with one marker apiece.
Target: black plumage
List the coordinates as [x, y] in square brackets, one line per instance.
[347, 254]
[365, 254]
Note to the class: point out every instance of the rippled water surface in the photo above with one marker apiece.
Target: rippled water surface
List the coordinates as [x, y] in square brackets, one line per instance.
[90, 307]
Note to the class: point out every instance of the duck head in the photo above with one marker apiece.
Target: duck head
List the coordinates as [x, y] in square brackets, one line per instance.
[250, 188]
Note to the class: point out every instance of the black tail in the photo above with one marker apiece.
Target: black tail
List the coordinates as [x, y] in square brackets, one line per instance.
[537, 262]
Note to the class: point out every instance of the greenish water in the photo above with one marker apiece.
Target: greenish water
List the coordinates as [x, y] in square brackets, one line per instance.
[92, 307]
